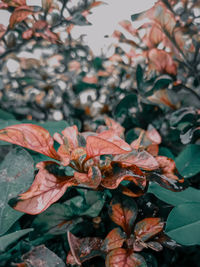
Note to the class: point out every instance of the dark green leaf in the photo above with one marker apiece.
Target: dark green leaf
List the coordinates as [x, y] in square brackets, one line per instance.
[188, 161]
[16, 175]
[9, 239]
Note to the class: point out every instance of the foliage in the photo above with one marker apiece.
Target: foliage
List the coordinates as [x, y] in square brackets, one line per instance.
[109, 169]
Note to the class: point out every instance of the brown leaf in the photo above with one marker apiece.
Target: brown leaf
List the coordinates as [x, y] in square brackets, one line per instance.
[83, 249]
[20, 14]
[114, 239]
[123, 211]
[121, 257]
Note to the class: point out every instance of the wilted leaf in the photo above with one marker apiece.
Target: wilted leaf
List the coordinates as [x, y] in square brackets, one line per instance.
[121, 257]
[16, 175]
[123, 211]
[30, 136]
[84, 249]
[49, 185]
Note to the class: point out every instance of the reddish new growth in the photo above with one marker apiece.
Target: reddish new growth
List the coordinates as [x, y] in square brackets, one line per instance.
[93, 160]
[121, 245]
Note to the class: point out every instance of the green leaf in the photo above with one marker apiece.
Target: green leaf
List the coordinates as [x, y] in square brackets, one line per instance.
[175, 198]
[42, 256]
[162, 82]
[4, 115]
[125, 104]
[183, 224]
[139, 77]
[7, 240]
[60, 218]
[188, 161]
[163, 151]
[17, 173]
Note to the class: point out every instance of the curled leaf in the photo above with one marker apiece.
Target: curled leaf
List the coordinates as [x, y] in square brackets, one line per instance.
[91, 179]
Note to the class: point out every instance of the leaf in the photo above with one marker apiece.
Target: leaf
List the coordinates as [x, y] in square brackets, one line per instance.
[188, 161]
[92, 179]
[121, 257]
[139, 77]
[30, 136]
[162, 82]
[84, 249]
[16, 175]
[20, 14]
[9, 239]
[125, 104]
[96, 146]
[120, 173]
[123, 211]
[183, 224]
[141, 159]
[147, 228]
[15, 3]
[175, 198]
[113, 240]
[4, 115]
[49, 186]
[42, 256]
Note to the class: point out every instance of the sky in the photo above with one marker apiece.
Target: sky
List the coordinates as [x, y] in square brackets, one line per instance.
[104, 20]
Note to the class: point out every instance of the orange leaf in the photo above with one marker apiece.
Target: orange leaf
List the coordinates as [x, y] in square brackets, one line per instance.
[114, 239]
[115, 126]
[30, 136]
[20, 14]
[27, 34]
[147, 228]
[121, 257]
[123, 211]
[15, 3]
[105, 143]
[46, 189]
[91, 179]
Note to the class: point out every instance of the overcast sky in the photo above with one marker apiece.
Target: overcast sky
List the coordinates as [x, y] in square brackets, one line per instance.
[104, 19]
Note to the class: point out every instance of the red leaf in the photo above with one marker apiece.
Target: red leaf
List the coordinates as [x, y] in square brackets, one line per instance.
[46, 189]
[147, 228]
[91, 179]
[114, 239]
[20, 14]
[141, 159]
[92, 79]
[115, 126]
[120, 173]
[30, 136]
[104, 143]
[27, 34]
[71, 137]
[83, 249]
[161, 61]
[123, 211]
[153, 135]
[15, 3]
[121, 257]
